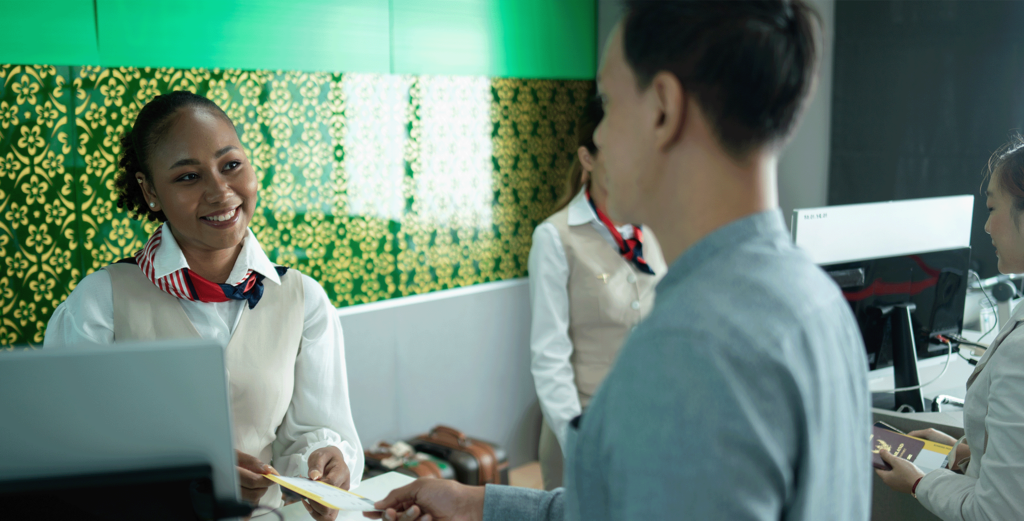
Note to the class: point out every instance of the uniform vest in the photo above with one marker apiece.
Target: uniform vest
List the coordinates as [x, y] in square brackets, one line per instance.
[608, 297]
[260, 357]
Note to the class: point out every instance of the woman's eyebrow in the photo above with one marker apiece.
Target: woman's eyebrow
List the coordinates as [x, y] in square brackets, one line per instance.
[182, 162]
[190, 161]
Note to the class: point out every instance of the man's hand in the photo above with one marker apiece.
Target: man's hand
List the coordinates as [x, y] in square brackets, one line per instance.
[327, 465]
[250, 475]
[432, 500]
[903, 474]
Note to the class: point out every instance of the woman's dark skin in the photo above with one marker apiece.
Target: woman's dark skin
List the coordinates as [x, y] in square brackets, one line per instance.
[199, 175]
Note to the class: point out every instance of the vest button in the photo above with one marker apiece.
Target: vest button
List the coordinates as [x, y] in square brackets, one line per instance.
[636, 304]
[631, 278]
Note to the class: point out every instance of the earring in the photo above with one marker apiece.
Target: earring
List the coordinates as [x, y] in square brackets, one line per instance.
[152, 205]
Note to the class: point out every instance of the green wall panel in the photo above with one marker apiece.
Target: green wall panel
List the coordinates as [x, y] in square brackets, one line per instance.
[498, 38]
[510, 38]
[304, 35]
[61, 32]
[40, 217]
[376, 185]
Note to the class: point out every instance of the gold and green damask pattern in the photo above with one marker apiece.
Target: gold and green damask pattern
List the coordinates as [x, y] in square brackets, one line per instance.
[378, 186]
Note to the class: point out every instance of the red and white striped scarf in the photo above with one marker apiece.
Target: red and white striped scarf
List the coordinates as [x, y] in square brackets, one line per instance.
[185, 284]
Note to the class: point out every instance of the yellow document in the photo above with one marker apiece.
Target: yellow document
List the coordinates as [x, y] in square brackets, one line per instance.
[327, 495]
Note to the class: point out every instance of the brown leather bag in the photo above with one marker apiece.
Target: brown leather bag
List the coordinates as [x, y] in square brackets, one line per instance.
[379, 460]
[476, 462]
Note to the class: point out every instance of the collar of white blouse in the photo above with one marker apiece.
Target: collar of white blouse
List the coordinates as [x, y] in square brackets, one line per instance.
[169, 258]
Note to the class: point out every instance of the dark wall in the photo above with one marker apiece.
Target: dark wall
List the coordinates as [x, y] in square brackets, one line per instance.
[923, 93]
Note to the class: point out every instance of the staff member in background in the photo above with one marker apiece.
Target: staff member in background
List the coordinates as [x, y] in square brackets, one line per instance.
[985, 478]
[591, 282]
[204, 274]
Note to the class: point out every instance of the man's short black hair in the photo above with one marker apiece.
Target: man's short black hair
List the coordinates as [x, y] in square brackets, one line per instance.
[749, 64]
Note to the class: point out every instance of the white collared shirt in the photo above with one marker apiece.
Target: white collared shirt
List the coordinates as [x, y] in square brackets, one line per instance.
[990, 487]
[87, 316]
[550, 345]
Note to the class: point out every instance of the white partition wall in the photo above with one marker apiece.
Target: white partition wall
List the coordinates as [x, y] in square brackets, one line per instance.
[459, 357]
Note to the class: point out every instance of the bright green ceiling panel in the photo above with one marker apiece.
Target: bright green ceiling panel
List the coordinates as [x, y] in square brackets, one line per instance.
[511, 38]
[304, 35]
[52, 32]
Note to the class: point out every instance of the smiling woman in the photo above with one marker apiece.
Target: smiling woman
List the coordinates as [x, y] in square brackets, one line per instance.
[203, 274]
[1004, 197]
[984, 478]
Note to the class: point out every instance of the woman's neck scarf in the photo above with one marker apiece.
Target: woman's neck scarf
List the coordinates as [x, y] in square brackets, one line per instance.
[187, 285]
[631, 249]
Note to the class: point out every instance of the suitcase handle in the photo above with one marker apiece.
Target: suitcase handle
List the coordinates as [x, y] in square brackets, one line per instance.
[459, 437]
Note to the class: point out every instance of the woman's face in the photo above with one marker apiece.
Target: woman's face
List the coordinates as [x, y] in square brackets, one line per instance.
[202, 181]
[1004, 230]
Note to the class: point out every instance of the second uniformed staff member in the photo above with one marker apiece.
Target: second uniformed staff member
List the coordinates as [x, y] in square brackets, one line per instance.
[591, 283]
[985, 476]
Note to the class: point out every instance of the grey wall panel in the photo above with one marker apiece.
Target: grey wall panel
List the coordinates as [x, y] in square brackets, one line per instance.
[803, 166]
[458, 357]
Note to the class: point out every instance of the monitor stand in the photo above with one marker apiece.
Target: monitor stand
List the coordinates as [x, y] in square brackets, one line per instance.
[904, 357]
[887, 401]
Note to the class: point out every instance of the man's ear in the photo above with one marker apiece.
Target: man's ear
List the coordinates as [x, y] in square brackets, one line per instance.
[670, 102]
[586, 159]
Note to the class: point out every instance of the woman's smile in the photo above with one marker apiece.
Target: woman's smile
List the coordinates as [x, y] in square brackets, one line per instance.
[222, 218]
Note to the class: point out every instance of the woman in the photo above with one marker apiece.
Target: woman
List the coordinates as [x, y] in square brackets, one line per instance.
[985, 478]
[591, 283]
[204, 274]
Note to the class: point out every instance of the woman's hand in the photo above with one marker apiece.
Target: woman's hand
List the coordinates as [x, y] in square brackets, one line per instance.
[250, 475]
[933, 435]
[962, 451]
[327, 465]
[318, 511]
[903, 474]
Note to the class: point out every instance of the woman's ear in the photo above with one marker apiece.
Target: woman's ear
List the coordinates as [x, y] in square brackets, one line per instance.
[147, 191]
[586, 159]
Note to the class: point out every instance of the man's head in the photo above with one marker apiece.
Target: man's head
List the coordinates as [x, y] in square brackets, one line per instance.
[740, 70]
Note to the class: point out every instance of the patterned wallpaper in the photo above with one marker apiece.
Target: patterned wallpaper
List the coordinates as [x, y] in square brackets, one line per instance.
[378, 186]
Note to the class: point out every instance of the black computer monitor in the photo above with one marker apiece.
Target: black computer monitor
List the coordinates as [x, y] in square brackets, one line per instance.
[903, 268]
[935, 283]
[903, 305]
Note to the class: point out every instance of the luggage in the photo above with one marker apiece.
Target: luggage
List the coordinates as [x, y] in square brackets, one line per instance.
[476, 462]
[401, 458]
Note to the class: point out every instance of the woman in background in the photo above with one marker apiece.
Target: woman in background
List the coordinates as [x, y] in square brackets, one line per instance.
[204, 274]
[591, 283]
[985, 476]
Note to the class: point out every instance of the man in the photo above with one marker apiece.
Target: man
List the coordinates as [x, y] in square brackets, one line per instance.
[743, 395]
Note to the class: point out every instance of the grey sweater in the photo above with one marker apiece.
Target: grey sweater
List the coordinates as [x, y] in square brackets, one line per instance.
[742, 397]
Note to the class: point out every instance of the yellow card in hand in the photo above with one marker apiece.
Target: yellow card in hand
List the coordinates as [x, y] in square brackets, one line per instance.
[327, 495]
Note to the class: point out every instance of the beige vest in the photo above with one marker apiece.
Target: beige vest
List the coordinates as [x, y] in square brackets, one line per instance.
[260, 357]
[608, 297]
